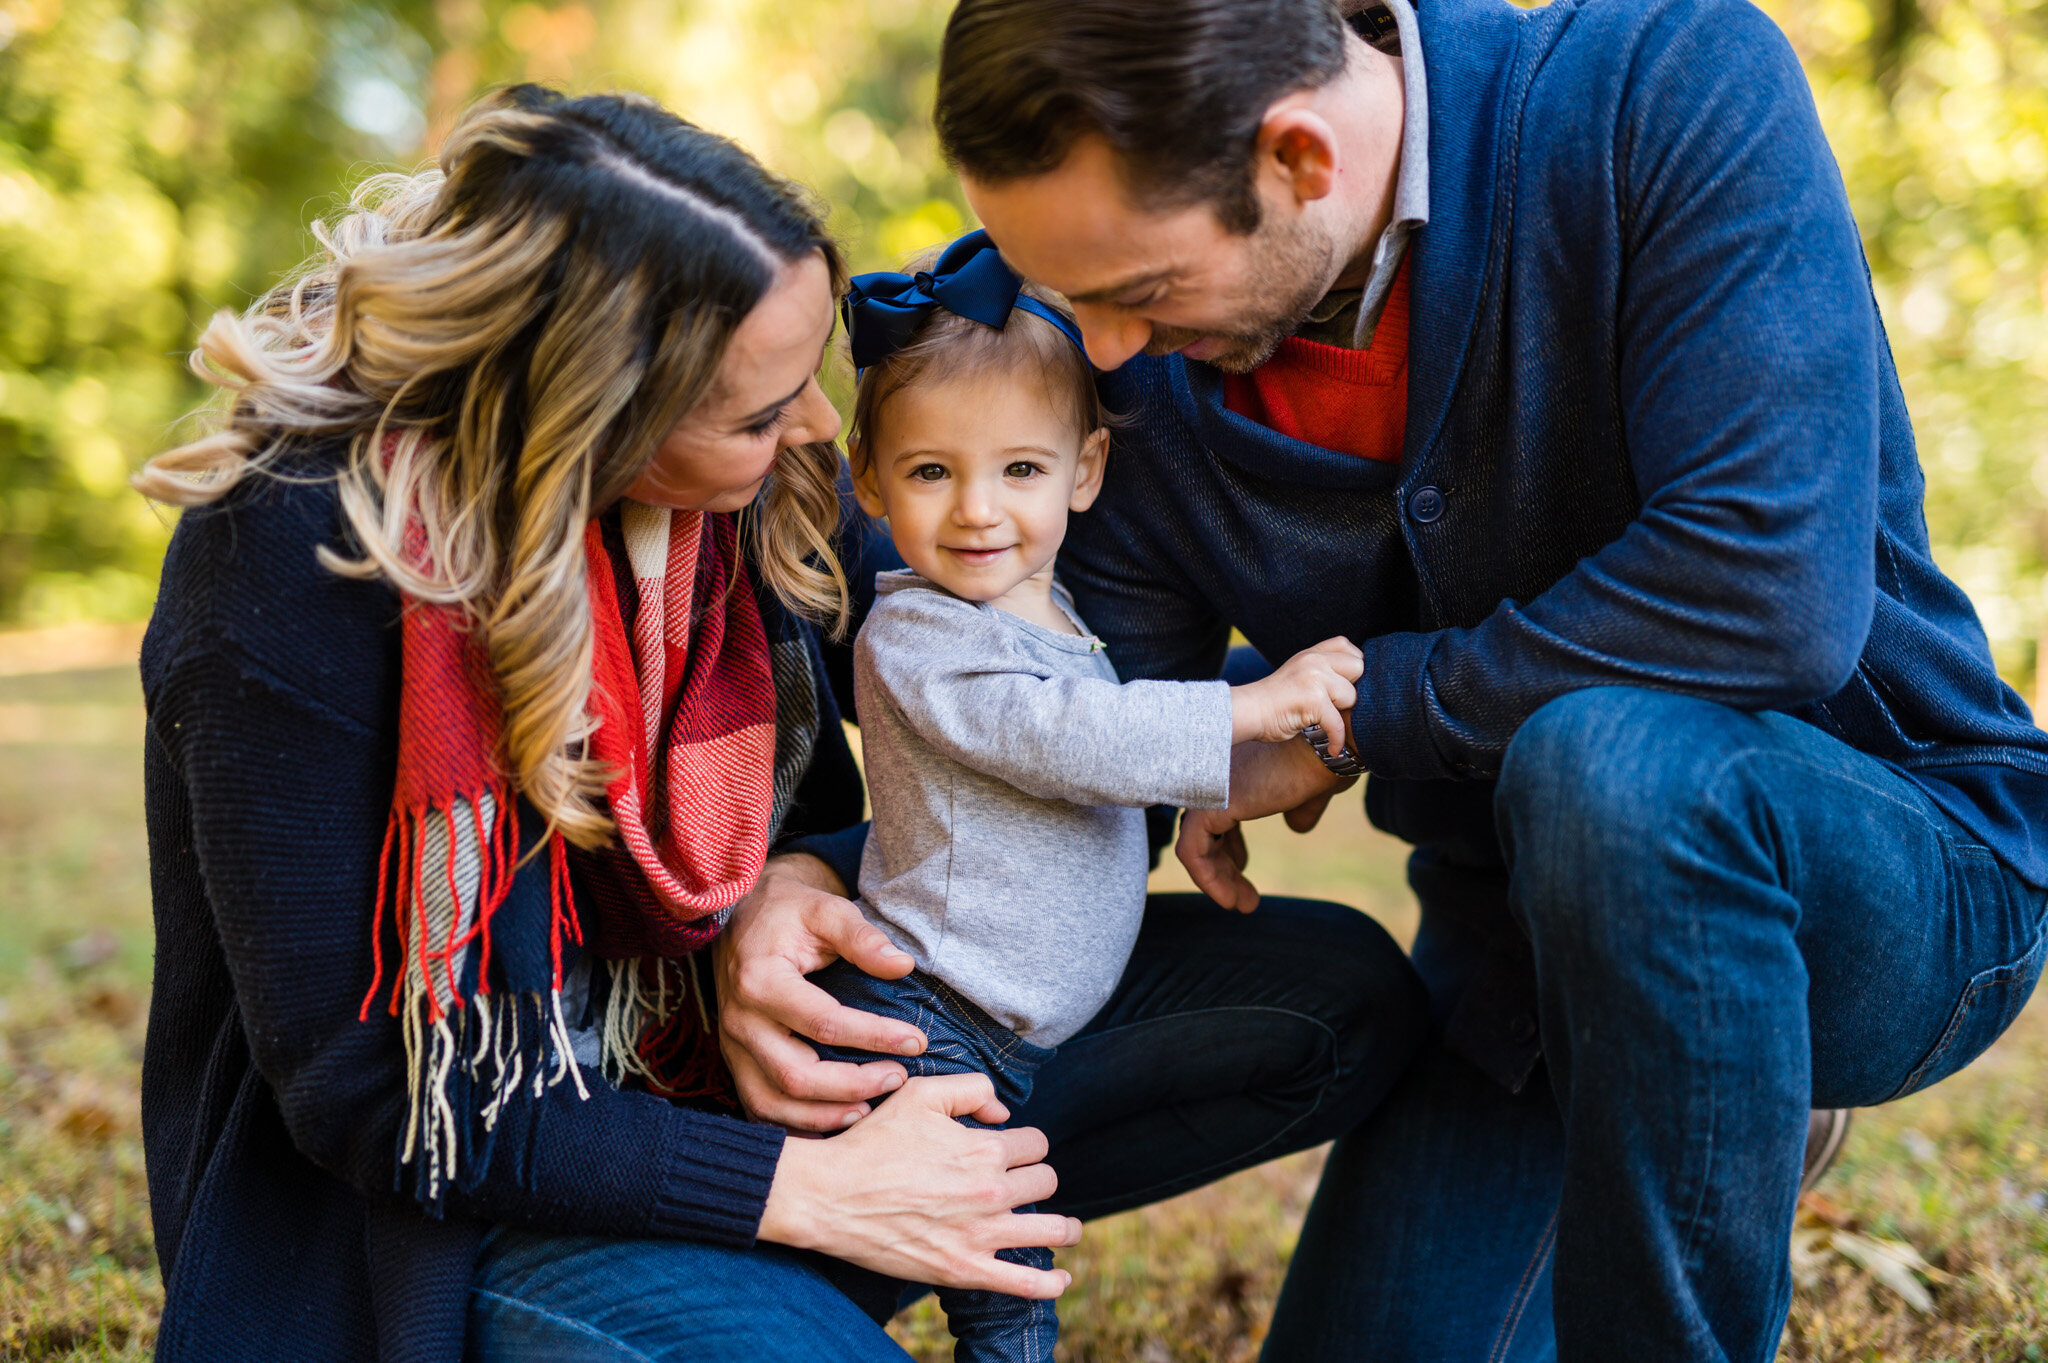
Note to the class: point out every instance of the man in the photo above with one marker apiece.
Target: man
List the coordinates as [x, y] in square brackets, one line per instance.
[1535, 351]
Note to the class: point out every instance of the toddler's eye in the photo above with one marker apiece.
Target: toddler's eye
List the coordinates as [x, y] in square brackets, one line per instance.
[1023, 468]
[928, 473]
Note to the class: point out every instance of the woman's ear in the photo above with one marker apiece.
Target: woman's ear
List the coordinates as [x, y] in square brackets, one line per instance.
[1088, 478]
[865, 490]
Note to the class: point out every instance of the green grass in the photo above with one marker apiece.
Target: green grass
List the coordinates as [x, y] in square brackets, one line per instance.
[1960, 1173]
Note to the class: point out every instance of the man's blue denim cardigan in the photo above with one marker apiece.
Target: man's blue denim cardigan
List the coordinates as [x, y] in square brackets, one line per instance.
[1655, 438]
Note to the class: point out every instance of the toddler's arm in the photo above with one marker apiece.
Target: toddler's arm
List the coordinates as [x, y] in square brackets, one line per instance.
[948, 672]
[1086, 739]
[1083, 739]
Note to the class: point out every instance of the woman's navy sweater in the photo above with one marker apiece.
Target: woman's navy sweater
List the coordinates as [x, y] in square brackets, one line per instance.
[271, 1115]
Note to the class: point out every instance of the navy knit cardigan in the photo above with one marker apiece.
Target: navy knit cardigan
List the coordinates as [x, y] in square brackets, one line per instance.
[1655, 438]
[271, 1116]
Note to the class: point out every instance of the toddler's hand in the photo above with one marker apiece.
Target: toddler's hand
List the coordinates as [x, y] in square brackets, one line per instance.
[1315, 686]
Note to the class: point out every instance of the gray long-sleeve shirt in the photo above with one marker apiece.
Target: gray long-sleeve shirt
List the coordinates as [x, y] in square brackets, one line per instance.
[1009, 771]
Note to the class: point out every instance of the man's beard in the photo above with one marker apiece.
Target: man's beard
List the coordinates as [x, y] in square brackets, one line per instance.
[1289, 263]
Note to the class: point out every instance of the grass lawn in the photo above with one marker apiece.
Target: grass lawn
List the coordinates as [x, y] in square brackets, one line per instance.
[1960, 1173]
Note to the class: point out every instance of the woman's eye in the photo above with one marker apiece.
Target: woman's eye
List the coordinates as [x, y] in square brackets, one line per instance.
[773, 419]
[928, 473]
[1022, 469]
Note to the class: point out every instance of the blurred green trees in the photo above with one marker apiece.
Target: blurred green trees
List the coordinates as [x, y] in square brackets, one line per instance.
[1938, 111]
[156, 162]
[159, 159]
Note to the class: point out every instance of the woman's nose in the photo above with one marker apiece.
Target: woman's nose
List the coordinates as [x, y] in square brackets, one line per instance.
[817, 420]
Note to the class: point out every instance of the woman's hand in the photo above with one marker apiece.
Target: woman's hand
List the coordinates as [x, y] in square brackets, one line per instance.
[1265, 778]
[912, 1193]
[797, 920]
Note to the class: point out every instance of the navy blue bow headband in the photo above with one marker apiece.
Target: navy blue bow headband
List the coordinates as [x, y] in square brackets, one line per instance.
[883, 309]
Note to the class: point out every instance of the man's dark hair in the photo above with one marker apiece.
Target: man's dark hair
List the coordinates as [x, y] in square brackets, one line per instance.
[1177, 88]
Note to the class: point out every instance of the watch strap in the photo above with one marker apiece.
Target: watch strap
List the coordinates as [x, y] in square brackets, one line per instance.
[1343, 763]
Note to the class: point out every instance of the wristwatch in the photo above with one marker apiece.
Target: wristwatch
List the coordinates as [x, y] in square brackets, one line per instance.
[1343, 763]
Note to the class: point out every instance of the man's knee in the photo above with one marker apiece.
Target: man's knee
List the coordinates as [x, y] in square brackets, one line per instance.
[1606, 778]
[1614, 756]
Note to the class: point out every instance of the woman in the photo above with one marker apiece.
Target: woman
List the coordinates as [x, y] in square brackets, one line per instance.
[479, 681]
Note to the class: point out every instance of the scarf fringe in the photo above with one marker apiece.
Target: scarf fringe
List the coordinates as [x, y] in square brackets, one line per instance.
[409, 893]
[487, 1054]
[657, 1029]
[444, 874]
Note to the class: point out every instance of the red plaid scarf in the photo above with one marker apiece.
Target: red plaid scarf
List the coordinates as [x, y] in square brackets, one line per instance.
[684, 718]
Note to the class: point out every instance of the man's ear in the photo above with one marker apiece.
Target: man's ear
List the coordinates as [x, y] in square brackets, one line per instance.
[865, 489]
[1088, 480]
[1297, 149]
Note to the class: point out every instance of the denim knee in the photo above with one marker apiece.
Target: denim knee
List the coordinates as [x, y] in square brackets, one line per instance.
[1606, 779]
[1606, 755]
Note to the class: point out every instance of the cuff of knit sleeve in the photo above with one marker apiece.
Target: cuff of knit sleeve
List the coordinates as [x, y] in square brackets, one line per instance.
[716, 1181]
[1391, 723]
[841, 851]
[1209, 732]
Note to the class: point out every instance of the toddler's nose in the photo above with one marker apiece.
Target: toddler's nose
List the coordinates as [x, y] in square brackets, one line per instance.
[975, 506]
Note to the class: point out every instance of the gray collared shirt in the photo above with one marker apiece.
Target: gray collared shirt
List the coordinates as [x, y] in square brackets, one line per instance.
[1411, 202]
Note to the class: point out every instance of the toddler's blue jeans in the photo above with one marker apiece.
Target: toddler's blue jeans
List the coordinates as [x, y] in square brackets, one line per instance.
[990, 1327]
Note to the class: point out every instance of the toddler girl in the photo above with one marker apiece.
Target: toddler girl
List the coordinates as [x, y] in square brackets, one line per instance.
[1007, 766]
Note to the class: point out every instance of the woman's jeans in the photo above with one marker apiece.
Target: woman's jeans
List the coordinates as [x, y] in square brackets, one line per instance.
[1726, 919]
[1231, 1039]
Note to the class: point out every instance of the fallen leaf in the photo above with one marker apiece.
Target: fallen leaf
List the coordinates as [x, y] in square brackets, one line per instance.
[114, 1006]
[87, 1121]
[1897, 1266]
[1816, 1210]
[1893, 1263]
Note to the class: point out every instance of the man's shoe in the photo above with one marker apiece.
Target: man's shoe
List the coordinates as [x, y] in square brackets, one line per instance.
[1825, 1132]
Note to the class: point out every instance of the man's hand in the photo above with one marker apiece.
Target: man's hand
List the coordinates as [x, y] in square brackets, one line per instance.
[798, 920]
[1265, 778]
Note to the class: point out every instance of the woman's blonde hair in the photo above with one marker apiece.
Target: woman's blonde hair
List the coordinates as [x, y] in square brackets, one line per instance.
[526, 323]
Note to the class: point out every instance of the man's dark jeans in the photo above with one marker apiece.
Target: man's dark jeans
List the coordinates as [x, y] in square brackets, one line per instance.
[1733, 918]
